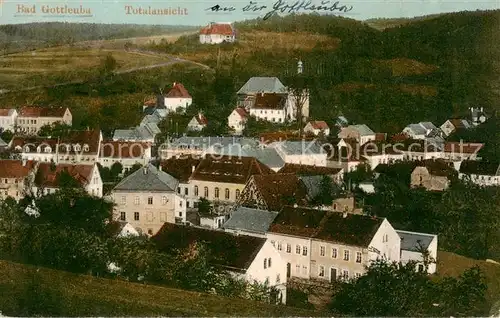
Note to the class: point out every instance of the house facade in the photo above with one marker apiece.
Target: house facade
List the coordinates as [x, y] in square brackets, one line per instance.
[434, 175]
[237, 120]
[420, 248]
[216, 33]
[454, 124]
[317, 127]
[31, 119]
[147, 199]
[197, 123]
[361, 133]
[177, 97]
[482, 173]
[421, 130]
[8, 119]
[16, 178]
[126, 153]
[301, 152]
[47, 178]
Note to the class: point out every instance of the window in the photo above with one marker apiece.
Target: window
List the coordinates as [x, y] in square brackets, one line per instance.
[278, 278]
[346, 255]
[237, 194]
[334, 252]
[321, 271]
[269, 262]
[180, 203]
[304, 270]
[205, 190]
[180, 214]
[297, 269]
[136, 216]
[322, 251]
[345, 274]
[357, 275]
[150, 200]
[304, 250]
[124, 199]
[226, 194]
[186, 191]
[150, 231]
[123, 216]
[164, 200]
[265, 263]
[358, 257]
[273, 243]
[216, 192]
[297, 249]
[136, 201]
[420, 268]
[179, 190]
[196, 191]
[279, 246]
[385, 238]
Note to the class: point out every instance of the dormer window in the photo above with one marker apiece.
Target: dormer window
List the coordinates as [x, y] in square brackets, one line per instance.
[27, 149]
[77, 147]
[48, 150]
[86, 148]
[38, 149]
[18, 148]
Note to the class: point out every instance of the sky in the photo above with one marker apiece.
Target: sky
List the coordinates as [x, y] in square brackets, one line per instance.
[194, 12]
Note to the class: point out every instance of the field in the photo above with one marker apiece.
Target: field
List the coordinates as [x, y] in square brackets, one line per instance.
[79, 295]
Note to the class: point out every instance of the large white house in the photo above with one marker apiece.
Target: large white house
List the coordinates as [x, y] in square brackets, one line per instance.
[251, 258]
[8, 119]
[483, 173]
[126, 153]
[177, 97]
[301, 152]
[215, 33]
[31, 119]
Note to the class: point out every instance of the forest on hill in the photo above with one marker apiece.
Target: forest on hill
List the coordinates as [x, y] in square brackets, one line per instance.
[16, 37]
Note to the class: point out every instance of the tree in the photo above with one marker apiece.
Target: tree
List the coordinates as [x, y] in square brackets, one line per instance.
[7, 135]
[204, 207]
[66, 180]
[298, 88]
[116, 169]
[57, 129]
[326, 193]
[133, 169]
[108, 64]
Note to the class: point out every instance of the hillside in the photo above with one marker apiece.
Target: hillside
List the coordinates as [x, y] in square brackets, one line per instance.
[386, 23]
[24, 289]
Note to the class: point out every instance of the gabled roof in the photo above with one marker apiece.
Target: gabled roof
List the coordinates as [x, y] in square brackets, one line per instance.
[3, 143]
[7, 111]
[268, 156]
[462, 148]
[241, 112]
[123, 149]
[15, 168]
[485, 168]
[180, 168]
[30, 111]
[229, 169]
[319, 124]
[263, 85]
[460, 123]
[46, 176]
[250, 220]
[349, 229]
[235, 252]
[308, 170]
[218, 28]
[302, 147]
[201, 119]
[363, 129]
[279, 189]
[414, 241]
[437, 167]
[148, 178]
[206, 142]
[91, 138]
[269, 101]
[178, 91]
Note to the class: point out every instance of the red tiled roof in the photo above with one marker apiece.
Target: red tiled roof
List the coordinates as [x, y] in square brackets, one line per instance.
[15, 168]
[438, 167]
[178, 91]
[319, 124]
[46, 176]
[150, 101]
[201, 119]
[457, 123]
[123, 149]
[380, 136]
[278, 189]
[4, 111]
[222, 29]
[457, 147]
[30, 111]
[229, 169]
[308, 170]
[242, 112]
[270, 101]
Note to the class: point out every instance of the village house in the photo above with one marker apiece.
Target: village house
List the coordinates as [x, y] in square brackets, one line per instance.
[361, 133]
[301, 152]
[16, 178]
[455, 124]
[197, 123]
[268, 99]
[237, 120]
[122, 229]
[421, 130]
[177, 98]
[483, 173]
[147, 199]
[341, 122]
[433, 175]
[273, 191]
[457, 152]
[326, 245]
[336, 174]
[221, 180]
[145, 133]
[48, 178]
[420, 248]
[317, 127]
[268, 156]
[31, 119]
[478, 116]
[197, 147]
[344, 154]
[251, 258]
[126, 153]
[347, 204]
[216, 33]
[8, 119]
[248, 221]
[78, 147]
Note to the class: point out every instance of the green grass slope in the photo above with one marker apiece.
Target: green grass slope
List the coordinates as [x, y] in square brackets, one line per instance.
[69, 294]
